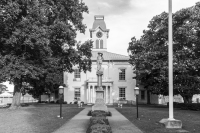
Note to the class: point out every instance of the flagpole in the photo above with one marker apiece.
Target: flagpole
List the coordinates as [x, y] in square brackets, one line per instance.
[170, 122]
[170, 52]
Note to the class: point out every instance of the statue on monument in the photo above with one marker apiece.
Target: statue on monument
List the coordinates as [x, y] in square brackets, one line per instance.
[99, 103]
[99, 61]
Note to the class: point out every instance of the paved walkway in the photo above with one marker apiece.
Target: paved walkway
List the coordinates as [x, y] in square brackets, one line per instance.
[80, 122]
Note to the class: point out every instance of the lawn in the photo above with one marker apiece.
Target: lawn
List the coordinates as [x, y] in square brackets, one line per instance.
[151, 115]
[39, 118]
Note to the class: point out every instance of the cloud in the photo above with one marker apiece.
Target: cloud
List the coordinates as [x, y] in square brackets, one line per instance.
[108, 7]
[126, 18]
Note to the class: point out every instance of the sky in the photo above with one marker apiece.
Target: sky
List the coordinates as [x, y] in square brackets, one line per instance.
[10, 86]
[126, 18]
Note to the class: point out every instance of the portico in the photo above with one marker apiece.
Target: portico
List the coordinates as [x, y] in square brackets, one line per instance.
[91, 91]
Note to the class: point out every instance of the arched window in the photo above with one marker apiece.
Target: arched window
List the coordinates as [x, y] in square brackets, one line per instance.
[101, 44]
[97, 44]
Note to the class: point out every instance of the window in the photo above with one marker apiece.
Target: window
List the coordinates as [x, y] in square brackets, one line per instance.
[142, 95]
[101, 44]
[77, 93]
[77, 74]
[121, 74]
[97, 44]
[122, 93]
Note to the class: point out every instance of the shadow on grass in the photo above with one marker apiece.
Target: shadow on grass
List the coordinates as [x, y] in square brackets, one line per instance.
[151, 115]
[35, 118]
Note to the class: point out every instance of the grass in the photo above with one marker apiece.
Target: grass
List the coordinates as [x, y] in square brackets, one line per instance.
[151, 115]
[38, 118]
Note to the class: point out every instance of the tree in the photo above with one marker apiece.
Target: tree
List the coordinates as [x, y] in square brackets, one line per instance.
[2, 88]
[149, 54]
[38, 42]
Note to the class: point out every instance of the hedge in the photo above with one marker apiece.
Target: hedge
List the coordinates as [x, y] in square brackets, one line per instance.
[99, 123]
[188, 106]
[99, 112]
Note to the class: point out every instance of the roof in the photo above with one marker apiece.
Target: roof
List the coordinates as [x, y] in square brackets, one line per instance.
[109, 56]
[6, 94]
[99, 21]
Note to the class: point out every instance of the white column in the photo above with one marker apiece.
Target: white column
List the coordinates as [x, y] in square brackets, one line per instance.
[106, 91]
[93, 94]
[111, 99]
[108, 99]
[105, 94]
[89, 95]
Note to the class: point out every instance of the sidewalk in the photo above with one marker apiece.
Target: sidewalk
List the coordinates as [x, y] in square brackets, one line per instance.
[80, 122]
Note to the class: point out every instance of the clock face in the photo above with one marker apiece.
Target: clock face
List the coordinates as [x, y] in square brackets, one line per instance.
[99, 34]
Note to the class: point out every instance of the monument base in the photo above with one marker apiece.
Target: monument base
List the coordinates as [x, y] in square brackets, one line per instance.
[99, 103]
[99, 94]
[171, 123]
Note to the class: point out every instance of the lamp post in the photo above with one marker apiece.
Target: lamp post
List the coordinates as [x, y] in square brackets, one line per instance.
[61, 90]
[137, 93]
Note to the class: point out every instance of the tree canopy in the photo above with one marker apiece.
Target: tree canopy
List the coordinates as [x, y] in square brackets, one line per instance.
[38, 41]
[149, 54]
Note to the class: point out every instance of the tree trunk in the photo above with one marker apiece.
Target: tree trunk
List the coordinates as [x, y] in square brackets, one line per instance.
[148, 97]
[49, 95]
[187, 99]
[16, 95]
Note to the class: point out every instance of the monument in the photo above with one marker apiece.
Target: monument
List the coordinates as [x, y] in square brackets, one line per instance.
[99, 102]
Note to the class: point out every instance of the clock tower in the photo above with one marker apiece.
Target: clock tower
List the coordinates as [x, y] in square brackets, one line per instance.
[99, 34]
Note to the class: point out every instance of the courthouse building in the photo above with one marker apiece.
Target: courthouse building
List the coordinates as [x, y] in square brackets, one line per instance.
[117, 76]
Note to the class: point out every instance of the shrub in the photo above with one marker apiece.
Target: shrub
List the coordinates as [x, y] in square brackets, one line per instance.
[52, 102]
[65, 102]
[98, 122]
[189, 106]
[24, 104]
[99, 125]
[58, 101]
[98, 113]
[99, 128]
[107, 113]
[174, 103]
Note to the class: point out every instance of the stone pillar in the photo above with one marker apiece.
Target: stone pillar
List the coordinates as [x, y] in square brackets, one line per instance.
[99, 77]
